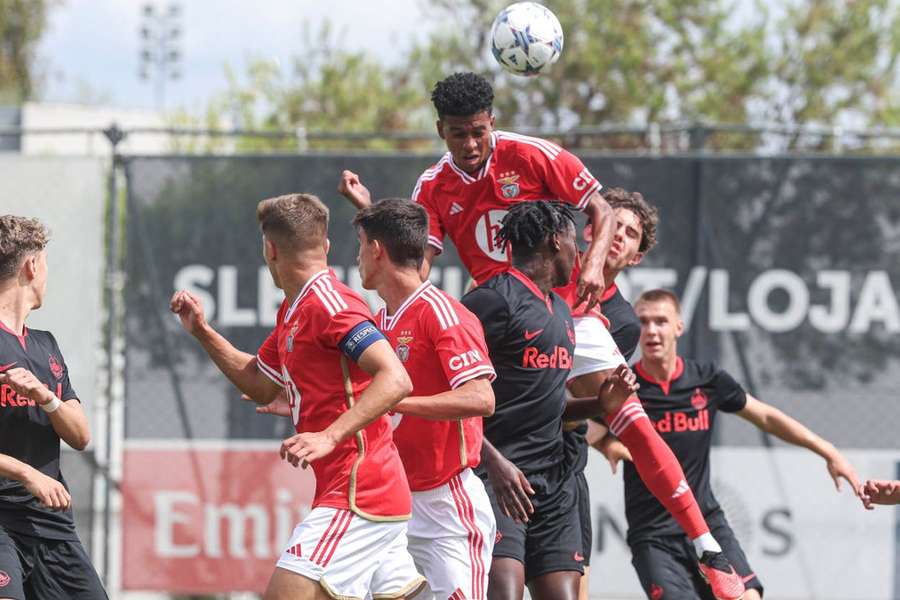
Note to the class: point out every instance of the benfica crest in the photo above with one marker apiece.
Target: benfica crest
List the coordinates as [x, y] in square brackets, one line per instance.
[509, 184]
[289, 345]
[403, 342]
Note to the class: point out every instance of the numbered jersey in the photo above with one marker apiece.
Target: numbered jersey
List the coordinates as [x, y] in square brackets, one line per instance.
[442, 346]
[469, 208]
[312, 354]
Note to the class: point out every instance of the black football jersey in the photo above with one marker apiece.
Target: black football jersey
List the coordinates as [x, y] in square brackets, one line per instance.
[624, 324]
[531, 340]
[683, 410]
[27, 435]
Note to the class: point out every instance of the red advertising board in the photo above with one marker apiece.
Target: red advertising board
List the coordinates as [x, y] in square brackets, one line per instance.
[207, 519]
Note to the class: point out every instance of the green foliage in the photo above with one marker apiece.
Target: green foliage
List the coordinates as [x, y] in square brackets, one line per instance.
[22, 23]
[631, 62]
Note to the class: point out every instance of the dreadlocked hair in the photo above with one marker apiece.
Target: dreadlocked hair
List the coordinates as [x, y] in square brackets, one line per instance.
[528, 224]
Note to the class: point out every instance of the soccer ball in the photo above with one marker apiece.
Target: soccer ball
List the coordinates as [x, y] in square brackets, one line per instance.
[526, 38]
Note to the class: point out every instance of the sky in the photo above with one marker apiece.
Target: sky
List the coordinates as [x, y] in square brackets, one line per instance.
[91, 48]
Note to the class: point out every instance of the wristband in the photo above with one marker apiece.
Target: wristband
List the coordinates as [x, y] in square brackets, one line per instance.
[52, 405]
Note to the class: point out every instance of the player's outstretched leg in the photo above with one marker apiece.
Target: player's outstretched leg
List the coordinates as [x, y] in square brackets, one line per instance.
[660, 471]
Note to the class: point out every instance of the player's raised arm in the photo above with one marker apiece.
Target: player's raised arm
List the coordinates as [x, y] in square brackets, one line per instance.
[591, 283]
[773, 421]
[351, 188]
[239, 367]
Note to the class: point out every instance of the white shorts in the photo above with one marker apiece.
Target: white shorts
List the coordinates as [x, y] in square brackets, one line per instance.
[595, 349]
[351, 557]
[451, 537]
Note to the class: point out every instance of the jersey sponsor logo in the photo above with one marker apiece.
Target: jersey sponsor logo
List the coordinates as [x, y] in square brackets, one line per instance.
[559, 358]
[530, 335]
[7, 367]
[582, 180]
[55, 367]
[699, 399]
[679, 422]
[486, 229]
[656, 592]
[10, 399]
[509, 184]
[455, 209]
[466, 359]
[4, 579]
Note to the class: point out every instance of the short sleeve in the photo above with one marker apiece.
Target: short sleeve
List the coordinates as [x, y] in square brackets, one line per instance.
[350, 329]
[566, 177]
[423, 195]
[731, 396]
[68, 392]
[268, 360]
[463, 352]
[493, 311]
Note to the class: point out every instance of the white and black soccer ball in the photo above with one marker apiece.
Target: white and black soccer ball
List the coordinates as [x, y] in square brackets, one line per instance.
[526, 38]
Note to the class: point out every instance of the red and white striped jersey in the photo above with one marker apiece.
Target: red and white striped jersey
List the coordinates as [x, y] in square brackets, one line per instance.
[469, 208]
[307, 354]
[442, 346]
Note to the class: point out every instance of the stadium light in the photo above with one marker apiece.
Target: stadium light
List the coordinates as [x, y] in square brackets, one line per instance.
[160, 55]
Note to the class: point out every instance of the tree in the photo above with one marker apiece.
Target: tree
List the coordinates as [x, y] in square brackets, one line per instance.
[634, 62]
[22, 23]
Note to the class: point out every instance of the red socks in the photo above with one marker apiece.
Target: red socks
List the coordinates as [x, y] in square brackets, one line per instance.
[657, 466]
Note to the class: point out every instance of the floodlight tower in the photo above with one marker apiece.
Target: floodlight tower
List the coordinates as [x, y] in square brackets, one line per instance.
[160, 54]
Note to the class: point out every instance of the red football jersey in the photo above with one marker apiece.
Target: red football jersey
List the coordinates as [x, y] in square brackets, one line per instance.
[469, 208]
[442, 346]
[307, 354]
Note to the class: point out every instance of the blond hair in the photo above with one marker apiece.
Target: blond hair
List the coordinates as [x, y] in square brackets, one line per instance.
[299, 221]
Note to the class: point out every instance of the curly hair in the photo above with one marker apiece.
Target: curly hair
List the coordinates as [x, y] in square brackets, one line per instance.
[19, 237]
[528, 224]
[647, 214]
[462, 95]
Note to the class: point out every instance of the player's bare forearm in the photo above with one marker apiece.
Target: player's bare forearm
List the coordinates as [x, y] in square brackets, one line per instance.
[603, 225]
[12, 468]
[582, 408]
[474, 398]
[390, 384]
[388, 387]
[239, 367]
[71, 424]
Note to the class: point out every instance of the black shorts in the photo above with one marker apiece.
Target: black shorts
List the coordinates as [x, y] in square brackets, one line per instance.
[41, 569]
[576, 448]
[667, 565]
[551, 540]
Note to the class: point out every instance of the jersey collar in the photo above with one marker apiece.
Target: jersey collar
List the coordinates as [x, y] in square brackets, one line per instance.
[665, 385]
[303, 292]
[21, 337]
[387, 321]
[532, 286]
